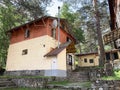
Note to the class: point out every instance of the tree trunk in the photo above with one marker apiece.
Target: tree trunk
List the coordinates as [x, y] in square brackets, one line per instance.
[80, 48]
[100, 42]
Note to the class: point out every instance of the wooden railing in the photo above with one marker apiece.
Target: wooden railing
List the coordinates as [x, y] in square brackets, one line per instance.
[111, 36]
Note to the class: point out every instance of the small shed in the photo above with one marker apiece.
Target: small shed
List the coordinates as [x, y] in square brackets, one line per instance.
[88, 59]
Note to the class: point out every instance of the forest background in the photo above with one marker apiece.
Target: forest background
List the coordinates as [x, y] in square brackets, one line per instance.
[80, 15]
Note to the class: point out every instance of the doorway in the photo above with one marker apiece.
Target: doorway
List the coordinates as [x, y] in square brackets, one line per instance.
[54, 67]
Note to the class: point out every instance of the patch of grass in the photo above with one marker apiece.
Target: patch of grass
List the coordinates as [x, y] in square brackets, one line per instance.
[116, 76]
[68, 83]
[117, 73]
[23, 77]
[86, 84]
[110, 78]
[21, 88]
[59, 82]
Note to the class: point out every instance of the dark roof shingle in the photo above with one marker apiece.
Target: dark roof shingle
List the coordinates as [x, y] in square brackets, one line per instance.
[57, 50]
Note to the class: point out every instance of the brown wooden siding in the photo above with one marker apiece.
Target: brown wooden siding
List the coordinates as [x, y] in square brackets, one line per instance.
[37, 29]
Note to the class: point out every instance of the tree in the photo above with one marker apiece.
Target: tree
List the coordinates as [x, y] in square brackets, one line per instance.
[88, 22]
[100, 42]
[33, 8]
[6, 23]
[73, 20]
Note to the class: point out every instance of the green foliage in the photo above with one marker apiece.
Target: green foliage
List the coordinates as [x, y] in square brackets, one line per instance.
[111, 78]
[31, 8]
[78, 33]
[67, 13]
[68, 83]
[117, 73]
[86, 84]
[87, 22]
[108, 48]
[73, 20]
[8, 17]
[116, 76]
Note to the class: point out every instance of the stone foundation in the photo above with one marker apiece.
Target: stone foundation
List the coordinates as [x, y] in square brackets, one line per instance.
[44, 83]
[31, 82]
[25, 73]
[57, 73]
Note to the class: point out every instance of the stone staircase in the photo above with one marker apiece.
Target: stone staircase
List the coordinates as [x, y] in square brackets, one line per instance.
[6, 83]
[78, 76]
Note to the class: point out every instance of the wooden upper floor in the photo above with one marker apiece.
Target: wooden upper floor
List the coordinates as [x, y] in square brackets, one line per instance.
[40, 27]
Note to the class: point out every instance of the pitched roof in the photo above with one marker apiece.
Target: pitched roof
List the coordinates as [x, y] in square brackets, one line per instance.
[57, 50]
[44, 17]
[110, 51]
[84, 54]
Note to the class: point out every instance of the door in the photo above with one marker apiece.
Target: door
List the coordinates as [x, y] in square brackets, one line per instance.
[54, 67]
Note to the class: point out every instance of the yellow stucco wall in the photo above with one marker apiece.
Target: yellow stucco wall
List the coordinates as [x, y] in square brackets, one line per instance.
[81, 62]
[61, 57]
[35, 59]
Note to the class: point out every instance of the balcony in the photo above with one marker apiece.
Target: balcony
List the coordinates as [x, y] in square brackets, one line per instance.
[111, 36]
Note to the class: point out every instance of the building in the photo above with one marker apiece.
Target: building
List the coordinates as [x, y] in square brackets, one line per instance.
[88, 60]
[92, 59]
[35, 50]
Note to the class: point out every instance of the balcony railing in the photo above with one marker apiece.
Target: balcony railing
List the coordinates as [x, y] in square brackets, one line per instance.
[111, 36]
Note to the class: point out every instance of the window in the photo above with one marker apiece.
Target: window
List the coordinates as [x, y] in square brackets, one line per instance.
[70, 60]
[44, 45]
[63, 26]
[27, 33]
[91, 60]
[115, 55]
[68, 39]
[85, 60]
[25, 51]
[53, 33]
[107, 56]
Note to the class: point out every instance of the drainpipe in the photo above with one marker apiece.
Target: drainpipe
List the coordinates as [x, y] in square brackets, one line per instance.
[58, 26]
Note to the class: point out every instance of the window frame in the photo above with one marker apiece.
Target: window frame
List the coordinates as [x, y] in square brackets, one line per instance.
[85, 60]
[114, 57]
[27, 33]
[53, 33]
[91, 60]
[25, 52]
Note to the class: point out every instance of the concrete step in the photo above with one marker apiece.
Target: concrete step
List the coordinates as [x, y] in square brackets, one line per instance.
[1, 88]
[4, 79]
[6, 83]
